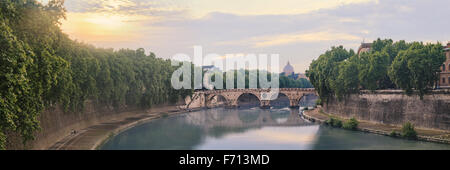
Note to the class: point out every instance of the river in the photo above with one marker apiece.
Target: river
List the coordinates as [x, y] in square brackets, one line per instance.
[252, 129]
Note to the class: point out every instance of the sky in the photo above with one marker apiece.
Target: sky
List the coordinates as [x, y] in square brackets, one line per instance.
[298, 30]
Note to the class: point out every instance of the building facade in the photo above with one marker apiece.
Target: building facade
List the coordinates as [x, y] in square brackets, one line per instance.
[444, 76]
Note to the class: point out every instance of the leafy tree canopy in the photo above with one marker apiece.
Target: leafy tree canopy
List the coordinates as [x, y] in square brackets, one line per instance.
[388, 65]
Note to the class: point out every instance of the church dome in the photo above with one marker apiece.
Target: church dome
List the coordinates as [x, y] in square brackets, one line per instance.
[288, 69]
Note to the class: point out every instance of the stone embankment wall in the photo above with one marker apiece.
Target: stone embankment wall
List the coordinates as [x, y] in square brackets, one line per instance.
[394, 107]
[57, 124]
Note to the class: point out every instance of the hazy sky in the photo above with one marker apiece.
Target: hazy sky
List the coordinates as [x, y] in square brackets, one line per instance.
[298, 30]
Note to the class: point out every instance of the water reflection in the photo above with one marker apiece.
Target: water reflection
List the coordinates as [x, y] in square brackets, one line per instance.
[220, 129]
[278, 138]
[338, 139]
[250, 129]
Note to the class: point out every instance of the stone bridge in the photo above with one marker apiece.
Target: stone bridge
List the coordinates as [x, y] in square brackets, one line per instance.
[230, 98]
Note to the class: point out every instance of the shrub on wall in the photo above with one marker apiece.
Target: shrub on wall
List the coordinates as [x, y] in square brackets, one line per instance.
[394, 134]
[408, 131]
[334, 122]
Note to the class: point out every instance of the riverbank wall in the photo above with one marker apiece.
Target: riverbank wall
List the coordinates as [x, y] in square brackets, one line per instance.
[395, 108]
[428, 135]
[57, 124]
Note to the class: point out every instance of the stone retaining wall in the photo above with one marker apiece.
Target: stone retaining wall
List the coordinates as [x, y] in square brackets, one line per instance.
[394, 107]
[57, 124]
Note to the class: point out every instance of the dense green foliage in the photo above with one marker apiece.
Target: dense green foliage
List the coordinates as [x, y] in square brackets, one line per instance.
[40, 67]
[285, 82]
[417, 67]
[351, 124]
[388, 65]
[408, 131]
[323, 71]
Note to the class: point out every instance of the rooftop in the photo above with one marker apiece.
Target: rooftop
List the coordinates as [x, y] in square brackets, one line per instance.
[365, 47]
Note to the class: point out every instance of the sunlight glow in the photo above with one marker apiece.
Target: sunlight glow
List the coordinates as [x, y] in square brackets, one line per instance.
[101, 26]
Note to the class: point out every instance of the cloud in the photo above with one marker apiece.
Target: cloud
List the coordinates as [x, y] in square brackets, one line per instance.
[298, 30]
[283, 39]
[348, 20]
[126, 7]
[201, 8]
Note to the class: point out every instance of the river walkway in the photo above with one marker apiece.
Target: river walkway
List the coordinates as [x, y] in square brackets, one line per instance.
[430, 135]
[92, 137]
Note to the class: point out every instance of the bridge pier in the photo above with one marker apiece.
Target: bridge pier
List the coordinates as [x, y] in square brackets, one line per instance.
[265, 104]
[294, 104]
[233, 104]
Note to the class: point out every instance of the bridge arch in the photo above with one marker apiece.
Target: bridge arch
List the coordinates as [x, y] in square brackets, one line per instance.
[248, 100]
[216, 100]
[281, 101]
[308, 100]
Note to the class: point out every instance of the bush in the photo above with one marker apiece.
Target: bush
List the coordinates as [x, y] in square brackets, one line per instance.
[318, 102]
[394, 134]
[351, 124]
[334, 122]
[408, 131]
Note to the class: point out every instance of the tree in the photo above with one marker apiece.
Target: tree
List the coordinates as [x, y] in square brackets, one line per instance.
[41, 67]
[325, 69]
[18, 105]
[347, 81]
[417, 67]
[373, 69]
[388, 65]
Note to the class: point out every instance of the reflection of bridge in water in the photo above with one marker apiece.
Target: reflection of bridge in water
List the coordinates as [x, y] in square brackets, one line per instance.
[237, 118]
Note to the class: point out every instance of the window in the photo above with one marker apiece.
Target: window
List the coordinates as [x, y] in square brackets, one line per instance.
[443, 67]
[443, 80]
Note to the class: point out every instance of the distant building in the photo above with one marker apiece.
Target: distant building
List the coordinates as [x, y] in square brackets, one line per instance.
[210, 68]
[365, 47]
[288, 71]
[444, 76]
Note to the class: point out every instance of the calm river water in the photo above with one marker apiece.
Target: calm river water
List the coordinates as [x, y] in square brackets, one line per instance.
[251, 129]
